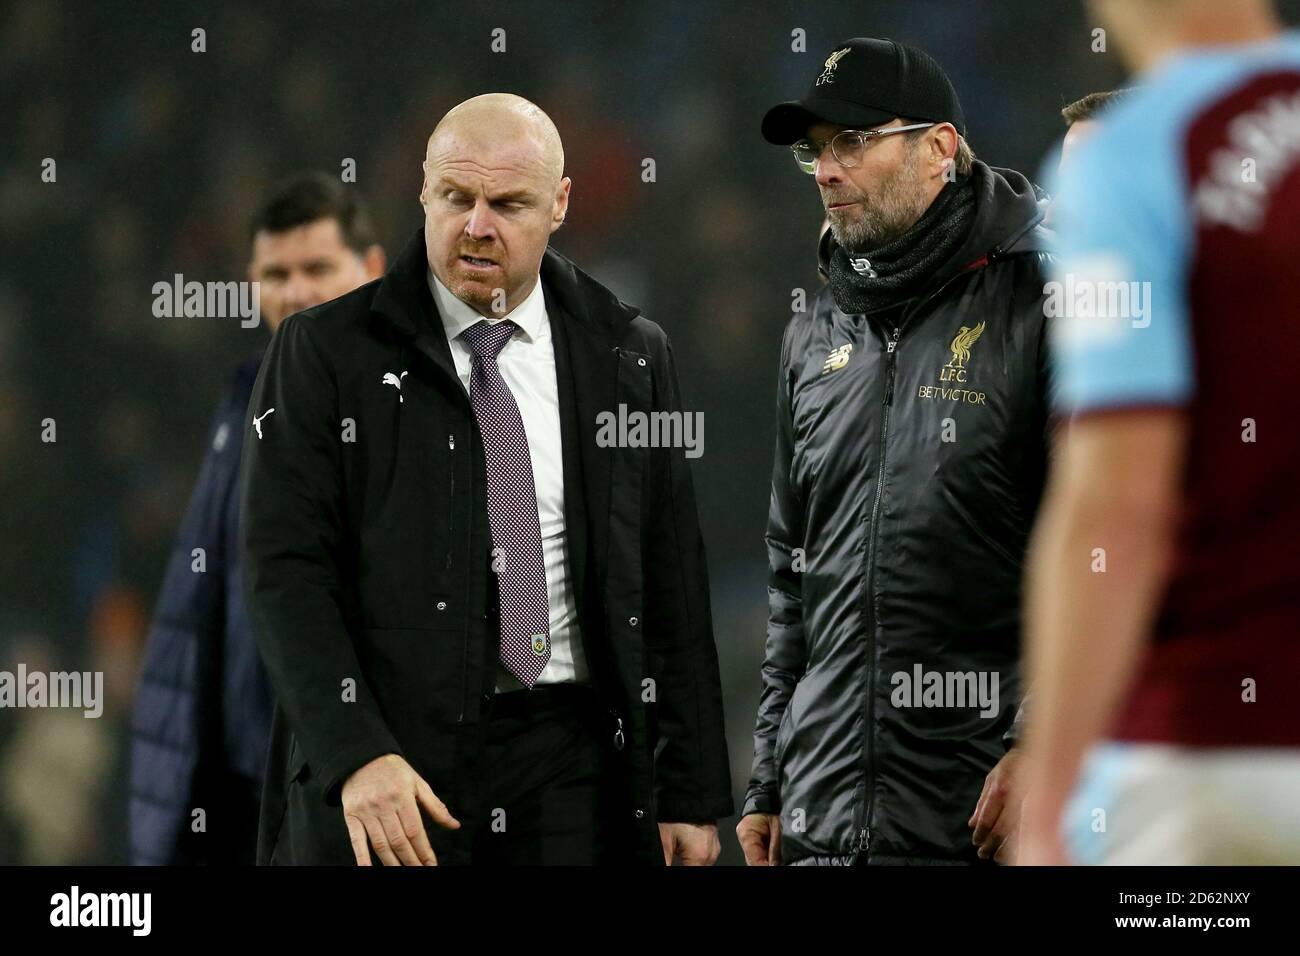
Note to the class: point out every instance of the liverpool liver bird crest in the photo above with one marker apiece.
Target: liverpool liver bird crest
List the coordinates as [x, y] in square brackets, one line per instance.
[961, 344]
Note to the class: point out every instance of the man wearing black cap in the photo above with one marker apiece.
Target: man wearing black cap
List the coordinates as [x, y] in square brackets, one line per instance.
[910, 457]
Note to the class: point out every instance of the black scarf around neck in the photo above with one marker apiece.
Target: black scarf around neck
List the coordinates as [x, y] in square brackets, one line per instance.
[865, 281]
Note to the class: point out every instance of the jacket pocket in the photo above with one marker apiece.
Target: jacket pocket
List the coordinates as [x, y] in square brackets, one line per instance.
[417, 674]
[408, 556]
[635, 380]
[969, 520]
[634, 396]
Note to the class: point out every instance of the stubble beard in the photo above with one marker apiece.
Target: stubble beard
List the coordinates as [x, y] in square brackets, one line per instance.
[474, 294]
[894, 207]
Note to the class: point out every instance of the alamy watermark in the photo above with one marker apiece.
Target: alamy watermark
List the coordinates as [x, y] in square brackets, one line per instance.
[207, 300]
[75, 690]
[947, 689]
[1109, 299]
[638, 429]
[133, 911]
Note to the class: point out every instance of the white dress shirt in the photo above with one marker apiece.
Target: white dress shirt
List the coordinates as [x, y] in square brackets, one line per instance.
[527, 363]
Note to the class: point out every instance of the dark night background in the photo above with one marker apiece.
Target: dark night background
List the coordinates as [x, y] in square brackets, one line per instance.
[163, 154]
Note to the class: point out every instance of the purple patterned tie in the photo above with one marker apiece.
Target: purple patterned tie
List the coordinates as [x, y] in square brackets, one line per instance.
[512, 507]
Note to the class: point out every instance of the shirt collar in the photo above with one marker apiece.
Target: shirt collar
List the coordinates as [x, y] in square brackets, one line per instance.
[457, 316]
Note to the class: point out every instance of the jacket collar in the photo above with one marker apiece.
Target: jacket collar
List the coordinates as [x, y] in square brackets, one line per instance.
[1007, 211]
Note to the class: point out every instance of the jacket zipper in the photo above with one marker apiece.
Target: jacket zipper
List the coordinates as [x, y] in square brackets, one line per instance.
[862, 816]
[862, 823]
[451, 497]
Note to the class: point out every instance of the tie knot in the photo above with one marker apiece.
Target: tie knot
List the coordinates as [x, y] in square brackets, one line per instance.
[486, 339]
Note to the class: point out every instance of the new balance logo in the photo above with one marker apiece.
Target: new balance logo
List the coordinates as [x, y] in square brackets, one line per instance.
[838, 358]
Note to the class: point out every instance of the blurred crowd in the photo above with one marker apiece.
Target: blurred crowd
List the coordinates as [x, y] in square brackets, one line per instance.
[162, 154]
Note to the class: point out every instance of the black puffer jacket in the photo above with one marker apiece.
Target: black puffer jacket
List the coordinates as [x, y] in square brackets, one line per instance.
[202, 712]
[908, 470]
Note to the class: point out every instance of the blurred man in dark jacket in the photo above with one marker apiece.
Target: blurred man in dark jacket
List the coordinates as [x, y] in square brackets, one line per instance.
[203, 709]
[910, 456]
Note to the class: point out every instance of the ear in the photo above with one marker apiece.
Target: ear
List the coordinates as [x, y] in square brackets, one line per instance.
[942, 148]
[561, 206]
[424, 186]
[374, 261]
[252, 258]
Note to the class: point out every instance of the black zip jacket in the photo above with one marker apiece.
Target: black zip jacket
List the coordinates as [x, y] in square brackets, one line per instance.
[910, 457]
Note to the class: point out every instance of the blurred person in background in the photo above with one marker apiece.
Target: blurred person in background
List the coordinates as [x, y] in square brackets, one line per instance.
[480, 615]
[1081, 118]
[910, 454]
[54, 767]
[203, 708]
[1163, 609]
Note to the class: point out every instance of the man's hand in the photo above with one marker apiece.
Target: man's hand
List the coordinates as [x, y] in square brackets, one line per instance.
[696, 843]
[760, 838]
[382, 801]
[997, 814]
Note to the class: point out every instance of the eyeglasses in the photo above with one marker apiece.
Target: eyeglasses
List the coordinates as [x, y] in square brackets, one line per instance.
[846, 146]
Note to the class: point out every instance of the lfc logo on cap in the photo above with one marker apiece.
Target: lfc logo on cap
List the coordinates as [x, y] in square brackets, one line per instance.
[832, 62]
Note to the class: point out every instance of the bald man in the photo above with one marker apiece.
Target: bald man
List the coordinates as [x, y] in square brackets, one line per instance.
[485, 617]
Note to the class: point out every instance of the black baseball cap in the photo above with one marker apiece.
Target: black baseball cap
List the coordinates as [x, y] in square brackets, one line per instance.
[865, 82]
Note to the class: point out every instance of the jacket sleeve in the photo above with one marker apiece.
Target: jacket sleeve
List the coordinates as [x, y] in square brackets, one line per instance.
[693, 777]
[1015, 734]
[785, 654]
[292, 529]
[175, 702]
